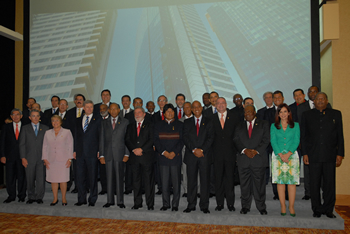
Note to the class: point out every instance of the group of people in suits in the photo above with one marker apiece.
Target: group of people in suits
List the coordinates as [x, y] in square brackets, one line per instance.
[204, 149]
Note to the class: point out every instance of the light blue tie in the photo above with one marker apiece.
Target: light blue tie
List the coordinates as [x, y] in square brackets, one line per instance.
[215, 111]
[86, 123]
[36, 130]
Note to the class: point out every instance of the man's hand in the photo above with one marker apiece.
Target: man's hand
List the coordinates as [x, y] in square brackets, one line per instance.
[166, 154]
[125, 159]
[339, 160]
[103, 160]
[3, 160]
[24, 162]
[98, 155]
[137, 151]
[250, 153]
[171, 155]
[47, 164]
[75, 155]
[198, 153]
[306, 159]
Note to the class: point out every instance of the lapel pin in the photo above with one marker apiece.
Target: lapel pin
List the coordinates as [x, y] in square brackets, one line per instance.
[173, 128]
[203, 123]
[228, 117]
[143, 126]
[40, 129]
[118, 122]
[93, 119]
[333, 120]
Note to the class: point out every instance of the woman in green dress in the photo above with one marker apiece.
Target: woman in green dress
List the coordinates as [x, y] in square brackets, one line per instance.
[285, 138]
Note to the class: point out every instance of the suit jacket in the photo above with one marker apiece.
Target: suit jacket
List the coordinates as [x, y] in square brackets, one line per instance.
[97, 108]
[305, 107]
[322, 135]
[223, 145]
[112, 141]
[285, 141]
[294, 109]
[25, 119]
[239, 112]
[9, 145]
[86, 144]
[71, 117]
[208, 112]
[122, 111]
[203, 141]
[259, 141]
[30, 146]
[261, 112]
[47, 117]
[143, 141]
[65, 121]
[156, 117]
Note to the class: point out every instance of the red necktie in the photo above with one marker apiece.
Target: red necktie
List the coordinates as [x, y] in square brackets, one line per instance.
[162, 116]
[113, 125]
[180, 115]
[17, 132]
[250, 129]
[197, 125]
[138, 129]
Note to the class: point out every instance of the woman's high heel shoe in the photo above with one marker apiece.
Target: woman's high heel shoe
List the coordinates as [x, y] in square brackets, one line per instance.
[283, 214]
[293, 215]
[54, 203]
[64, 204]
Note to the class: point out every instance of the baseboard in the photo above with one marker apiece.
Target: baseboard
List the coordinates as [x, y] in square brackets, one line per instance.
[342, 200]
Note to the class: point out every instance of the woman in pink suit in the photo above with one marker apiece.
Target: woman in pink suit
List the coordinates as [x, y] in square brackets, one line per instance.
[57, 155]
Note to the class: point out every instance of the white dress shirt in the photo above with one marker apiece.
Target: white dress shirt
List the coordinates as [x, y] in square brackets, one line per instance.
[62, 114]
[19, 126]
[84, 119]
[225, 114]
[312, 104]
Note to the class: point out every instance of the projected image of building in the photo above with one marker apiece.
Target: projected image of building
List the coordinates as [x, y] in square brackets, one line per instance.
[174, 53]
[268, 42]
[69, 53]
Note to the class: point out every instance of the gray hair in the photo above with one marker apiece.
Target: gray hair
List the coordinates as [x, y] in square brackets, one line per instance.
[321, 93]
[88, 102]
[16, 109]
[166, 99]
[266, 94]
[30, 113]
[141, 108]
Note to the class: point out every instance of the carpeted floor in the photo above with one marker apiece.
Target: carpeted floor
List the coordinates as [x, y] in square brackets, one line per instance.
[23, 223]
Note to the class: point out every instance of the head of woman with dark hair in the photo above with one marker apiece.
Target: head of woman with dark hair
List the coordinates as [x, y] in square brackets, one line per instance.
[283, 113]
[168, 111]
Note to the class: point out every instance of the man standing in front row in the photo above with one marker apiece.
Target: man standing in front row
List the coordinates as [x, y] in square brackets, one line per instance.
[113, 153]
[322, 144]
[30, 150]
[251, 139]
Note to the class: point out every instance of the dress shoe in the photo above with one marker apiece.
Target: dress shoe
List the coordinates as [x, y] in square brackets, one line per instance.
[231, 208]
[174, 209]
[127, 192]
[54, 203]
[184, 195]
[263, 212]
[283, 214]
[306, 197]
[21, 200]
[188, 210]
[159, 192]
[107, 205]
[219, 208]
[75, 190]
[211, 195]
[39, 201]
[205, 211]
[30, 201]
[121, 206]
[275, 197]
[64, 203]
[316, 214]
[8, 200]
[331, 215]
[150, 208]
[136, 207]
[80, 203]
[164, 208]
[91, 204]
[102, 193]
[244, 211]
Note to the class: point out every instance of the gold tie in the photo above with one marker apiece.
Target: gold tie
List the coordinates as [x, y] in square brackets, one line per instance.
[222, 121]
[79, 113]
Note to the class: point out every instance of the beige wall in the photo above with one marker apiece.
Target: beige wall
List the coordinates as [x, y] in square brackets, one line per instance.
[326, 72]
[19, 56]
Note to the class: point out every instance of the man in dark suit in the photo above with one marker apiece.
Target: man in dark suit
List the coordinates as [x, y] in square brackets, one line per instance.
[139, 140]
[52, 111]
[180, 100]
[106, 99]
[15, 173]
[126, 101]
[43, 120]
[251, 139]
[240, 111]
[299, 98]
[269, 104]
[224, 155]
[26, 111]
[198, 137]
[322, 144]
[238, 101]
[113, 154]
[209, 112]
[206, 102]
[30, 149]
[137, 102]
[86, 148]
[150, 107]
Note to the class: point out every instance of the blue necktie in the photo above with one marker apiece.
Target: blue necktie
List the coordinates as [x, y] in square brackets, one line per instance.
[36, 130]
[86, 123]
[215, 111]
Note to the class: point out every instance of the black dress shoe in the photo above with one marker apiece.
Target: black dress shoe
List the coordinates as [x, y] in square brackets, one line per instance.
[164, 208]
[275, 197]
[231, 208]
[184, 195]
[54, 203]
[107, 205]
[80, 203]
[121, 206]
[75, 190]
[174, 209]
[91, 204]
[219, 208]
[136, 207]
[8, 200]
[331, 215]
[30, 201]
[21, 200]
[306, 197]
[39, 201]
[159, 192]
[316, 214]
[188, 210]
[263, 212]
[205, 211]
[102, 193]
[150, 208]
[244, 211]
[211, 195]
[127, 192]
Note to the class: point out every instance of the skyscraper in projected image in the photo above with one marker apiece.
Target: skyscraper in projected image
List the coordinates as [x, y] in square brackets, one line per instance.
[69, 54]
[268, 42]
[174, 53]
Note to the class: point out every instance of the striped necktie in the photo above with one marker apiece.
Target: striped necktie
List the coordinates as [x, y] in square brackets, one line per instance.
[86, 124]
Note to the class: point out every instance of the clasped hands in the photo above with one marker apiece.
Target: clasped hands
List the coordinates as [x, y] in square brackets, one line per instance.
[285, 157]
[168, 155]
[198, 153]
[250, 153]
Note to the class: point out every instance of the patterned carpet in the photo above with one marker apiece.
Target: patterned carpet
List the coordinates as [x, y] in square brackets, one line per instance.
[20, 223]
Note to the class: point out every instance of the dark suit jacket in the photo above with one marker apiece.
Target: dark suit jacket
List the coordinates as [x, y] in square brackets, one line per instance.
[112, 141]
[261, 112]
[203, 141]
[239, 112]
[71, 117]
[322, 135]
[223, 145]
[143, 141]
[9, 144]
[156, 117]
[259, 141]
[25, 119]
[305, 107]
[294, 109]
[47, 116]
[130, 116]
[208, 113]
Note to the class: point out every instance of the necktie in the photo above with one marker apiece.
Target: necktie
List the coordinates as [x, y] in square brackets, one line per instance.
[313, 105]
[53, 111]
[162, 116]
[197, 125]
[79, 113]
[250, 129]
[222, 121]
[60, 114]
[17, 132]
[215, 111]
[180, 115]
[86, 124]
[113, 125]
[138, 129]
[36, 130]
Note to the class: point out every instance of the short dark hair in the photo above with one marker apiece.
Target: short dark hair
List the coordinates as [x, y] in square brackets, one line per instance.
[214, 92]
[318, 89]
[168, 106]
[297, 90]
[247, 98]
[149, 102]
[137, 98]
[79, 95]
[33, 99]
[54, 96]
[180, 95]
[277, 92]
[127, 96]
[278, 119]
[106, 90]
[205, 94]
